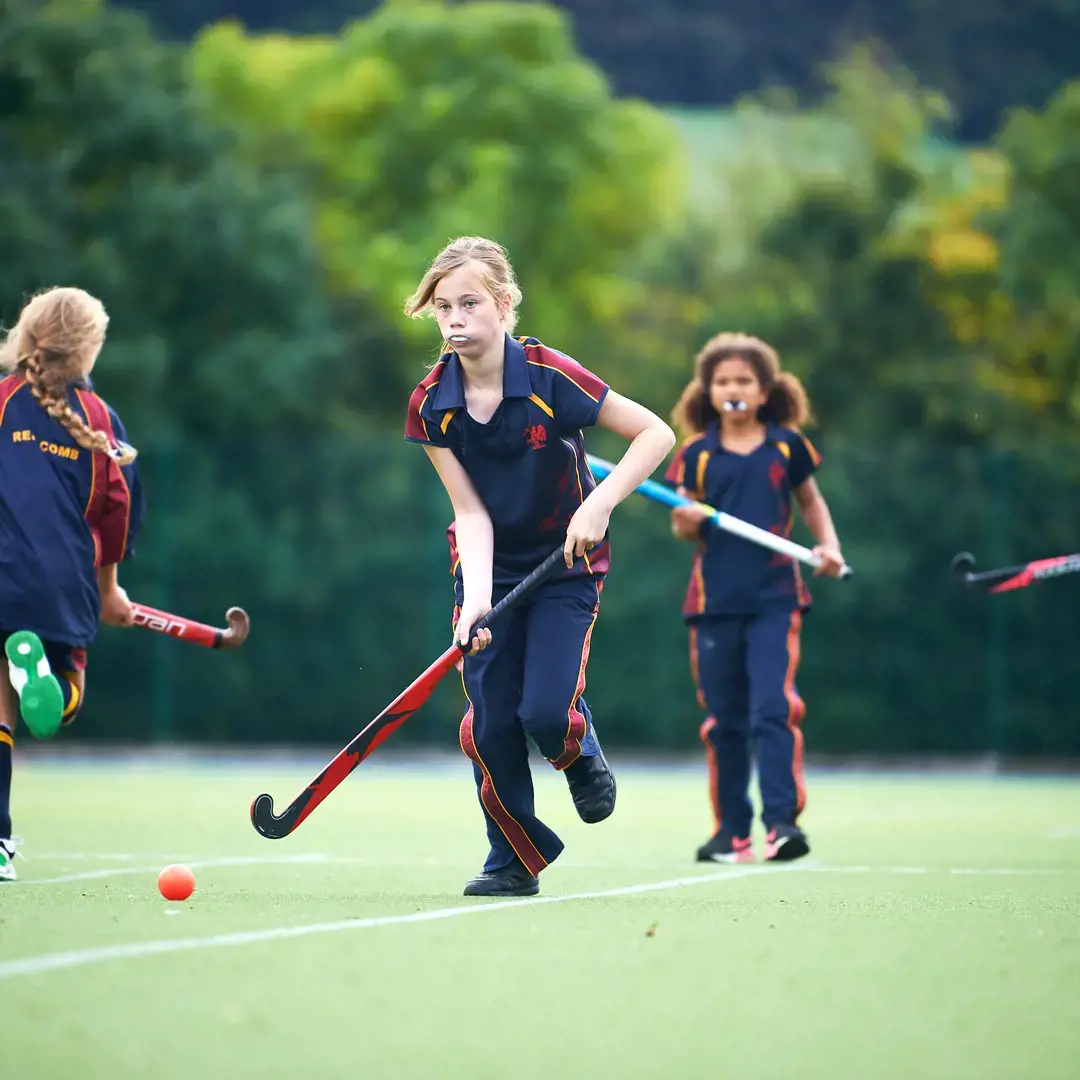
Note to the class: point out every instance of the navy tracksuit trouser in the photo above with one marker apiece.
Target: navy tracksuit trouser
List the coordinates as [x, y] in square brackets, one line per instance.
[744, 667]
[528, 683]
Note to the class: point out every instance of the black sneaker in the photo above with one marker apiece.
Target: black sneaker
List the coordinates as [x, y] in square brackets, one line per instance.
[786, 842]
[725, 848]
[592, 787]
[512, 880]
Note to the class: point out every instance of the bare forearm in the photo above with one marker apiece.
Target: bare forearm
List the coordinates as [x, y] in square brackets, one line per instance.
[644, 454]
[475, 545]
[819, 522]
[106, 577]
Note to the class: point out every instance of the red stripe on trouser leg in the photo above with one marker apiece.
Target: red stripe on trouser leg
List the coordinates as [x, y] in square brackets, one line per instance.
[695, 670]
[515, 835]
[577, 725]
[796, 710]
[706, 727]
[713, 770]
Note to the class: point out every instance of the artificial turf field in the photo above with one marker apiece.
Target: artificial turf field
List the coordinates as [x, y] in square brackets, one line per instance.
[933, 932]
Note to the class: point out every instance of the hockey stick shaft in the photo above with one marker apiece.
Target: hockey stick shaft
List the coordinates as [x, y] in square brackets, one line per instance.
[661, 494]
[1009, 578]
[209, 637]
[275, 826]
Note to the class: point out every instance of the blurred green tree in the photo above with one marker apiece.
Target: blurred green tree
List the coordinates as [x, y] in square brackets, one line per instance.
[1037, 327]
[849, 256]
[114, 178]
[430, 120]
[986, 55]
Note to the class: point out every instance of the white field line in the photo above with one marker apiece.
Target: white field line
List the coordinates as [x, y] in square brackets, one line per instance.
[116, 871]
[78, 958]
[969, 871]
[35, 965]
[32, 965]
[431, 862]
[810, 866]
[842, 869]
[189, 858]
[1003, 871]
[1064, 832]
[107, 856]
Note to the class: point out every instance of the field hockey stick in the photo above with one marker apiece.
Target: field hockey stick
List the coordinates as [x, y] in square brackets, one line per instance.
[275, 826]
[1007, 578]
[657, 492]
[209, 637]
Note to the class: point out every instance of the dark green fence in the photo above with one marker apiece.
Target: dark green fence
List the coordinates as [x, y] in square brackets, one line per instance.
[337, 550]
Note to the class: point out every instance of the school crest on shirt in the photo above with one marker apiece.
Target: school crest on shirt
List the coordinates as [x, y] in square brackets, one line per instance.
[536, 436]
[777, 472]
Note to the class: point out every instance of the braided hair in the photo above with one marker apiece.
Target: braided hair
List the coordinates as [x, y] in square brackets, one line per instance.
[55, 342]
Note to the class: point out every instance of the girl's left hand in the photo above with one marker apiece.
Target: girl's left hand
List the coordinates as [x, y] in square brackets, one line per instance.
[832, 562]
[116, 608]
[587, 528]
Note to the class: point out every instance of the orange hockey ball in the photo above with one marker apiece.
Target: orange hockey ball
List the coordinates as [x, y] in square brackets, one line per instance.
[176, 882]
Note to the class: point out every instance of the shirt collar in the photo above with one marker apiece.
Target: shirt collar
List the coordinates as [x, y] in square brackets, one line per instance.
[773, 434]
[516, 383]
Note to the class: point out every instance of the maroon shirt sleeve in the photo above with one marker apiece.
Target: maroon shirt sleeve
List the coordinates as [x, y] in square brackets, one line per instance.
[577, 393]
[676, 469]
[115, 516]
[421, 423]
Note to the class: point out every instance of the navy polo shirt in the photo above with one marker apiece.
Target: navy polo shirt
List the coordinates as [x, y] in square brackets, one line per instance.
[730, 575]
[527, 462]
[64, 511]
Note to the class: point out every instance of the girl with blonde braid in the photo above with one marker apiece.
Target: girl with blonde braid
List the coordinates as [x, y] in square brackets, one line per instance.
[70, 506]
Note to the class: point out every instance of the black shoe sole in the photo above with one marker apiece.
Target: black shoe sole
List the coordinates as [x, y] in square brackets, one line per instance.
[518, 890]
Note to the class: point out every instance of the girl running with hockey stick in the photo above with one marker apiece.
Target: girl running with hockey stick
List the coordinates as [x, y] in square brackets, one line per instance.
[501, 419]
[745, 455]
[70, 506]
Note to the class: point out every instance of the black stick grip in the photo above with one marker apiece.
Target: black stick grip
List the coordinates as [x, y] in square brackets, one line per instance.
[521, 589]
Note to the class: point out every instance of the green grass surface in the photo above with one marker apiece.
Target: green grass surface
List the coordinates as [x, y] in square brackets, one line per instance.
[934, 932]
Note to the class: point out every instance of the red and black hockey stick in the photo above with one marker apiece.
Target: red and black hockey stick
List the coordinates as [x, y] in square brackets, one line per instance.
[209, 637]
[275, 826]
[1008, 578]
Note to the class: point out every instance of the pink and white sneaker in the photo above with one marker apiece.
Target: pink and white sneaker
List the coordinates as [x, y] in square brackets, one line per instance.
[725, 848]
[786, 842]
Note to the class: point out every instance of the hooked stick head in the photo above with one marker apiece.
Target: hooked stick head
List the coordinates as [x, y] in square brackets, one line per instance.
[239, 626]
[266, 822]
[962, 565]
